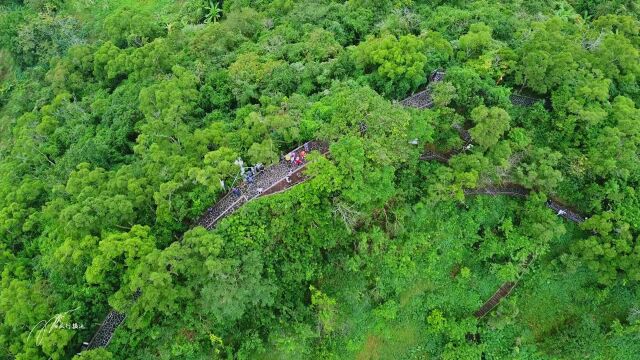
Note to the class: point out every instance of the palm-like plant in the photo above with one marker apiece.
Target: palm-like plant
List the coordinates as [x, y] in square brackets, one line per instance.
[564, 11]
[213, 12]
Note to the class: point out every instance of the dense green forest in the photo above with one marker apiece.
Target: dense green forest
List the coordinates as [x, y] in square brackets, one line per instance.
[120, 118]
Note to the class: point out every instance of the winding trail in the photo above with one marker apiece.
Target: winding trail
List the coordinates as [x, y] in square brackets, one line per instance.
[281, 176]
[423, 100]
[516, 190]
[513, 190]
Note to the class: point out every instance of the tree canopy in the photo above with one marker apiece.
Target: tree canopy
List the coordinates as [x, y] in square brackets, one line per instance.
[122, 122]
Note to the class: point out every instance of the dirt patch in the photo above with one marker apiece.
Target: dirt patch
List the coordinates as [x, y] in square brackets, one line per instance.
[371, 349]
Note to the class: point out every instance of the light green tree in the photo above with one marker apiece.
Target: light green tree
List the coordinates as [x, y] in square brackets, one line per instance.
[490, 125]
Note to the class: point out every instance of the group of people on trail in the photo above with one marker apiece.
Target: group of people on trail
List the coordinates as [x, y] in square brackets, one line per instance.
[249, 178]
[252, 171]
[295, 158]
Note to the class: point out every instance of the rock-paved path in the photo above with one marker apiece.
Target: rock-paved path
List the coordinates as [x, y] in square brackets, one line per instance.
[495, 299]
[262, 183]
[521, 100]
[103, 336]
[270, 180]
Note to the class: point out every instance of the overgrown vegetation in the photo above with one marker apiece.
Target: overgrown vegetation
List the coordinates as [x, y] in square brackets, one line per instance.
[119, 118]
